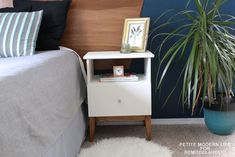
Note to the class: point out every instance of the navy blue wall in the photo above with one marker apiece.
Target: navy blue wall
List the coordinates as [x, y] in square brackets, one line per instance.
[173, 109]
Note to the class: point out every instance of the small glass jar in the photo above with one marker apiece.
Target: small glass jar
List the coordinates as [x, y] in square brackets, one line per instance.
[125, 48]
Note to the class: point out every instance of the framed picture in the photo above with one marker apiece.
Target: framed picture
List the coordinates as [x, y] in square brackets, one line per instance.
[135, 33]
[118, 71]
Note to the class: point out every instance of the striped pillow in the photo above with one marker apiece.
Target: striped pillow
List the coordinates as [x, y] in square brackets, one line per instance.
[18, 33]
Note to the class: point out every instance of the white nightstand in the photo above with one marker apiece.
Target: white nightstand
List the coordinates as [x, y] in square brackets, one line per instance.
[119, 101]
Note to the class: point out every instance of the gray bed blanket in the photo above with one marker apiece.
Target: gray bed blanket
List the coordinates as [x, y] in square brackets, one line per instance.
[39, 95]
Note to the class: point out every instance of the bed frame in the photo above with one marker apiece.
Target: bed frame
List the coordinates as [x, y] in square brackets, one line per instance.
[96, 25]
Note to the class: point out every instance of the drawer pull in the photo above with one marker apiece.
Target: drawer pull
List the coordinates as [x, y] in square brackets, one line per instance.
[119, 101]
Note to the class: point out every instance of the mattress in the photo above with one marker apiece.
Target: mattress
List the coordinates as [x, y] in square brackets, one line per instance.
[15, 65]
[39, 100]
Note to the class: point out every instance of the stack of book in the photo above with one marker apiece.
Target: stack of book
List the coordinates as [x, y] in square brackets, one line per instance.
[125, 78]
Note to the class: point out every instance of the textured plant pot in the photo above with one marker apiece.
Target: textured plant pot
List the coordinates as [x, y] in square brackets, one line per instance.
[220, 122]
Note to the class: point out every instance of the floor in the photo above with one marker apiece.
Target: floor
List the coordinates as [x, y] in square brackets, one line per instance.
[184, 140]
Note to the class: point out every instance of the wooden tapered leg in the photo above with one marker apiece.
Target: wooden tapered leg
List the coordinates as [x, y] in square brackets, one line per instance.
[148, 127]
[92, 128]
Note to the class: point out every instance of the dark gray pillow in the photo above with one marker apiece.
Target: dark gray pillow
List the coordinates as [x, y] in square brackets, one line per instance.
[18, 33]
[53, 22]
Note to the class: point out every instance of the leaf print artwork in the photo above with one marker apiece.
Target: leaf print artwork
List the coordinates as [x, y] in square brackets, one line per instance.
[136, 34]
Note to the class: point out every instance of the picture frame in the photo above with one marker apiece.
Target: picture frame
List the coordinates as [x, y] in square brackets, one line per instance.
[135, 33]
[118, 71]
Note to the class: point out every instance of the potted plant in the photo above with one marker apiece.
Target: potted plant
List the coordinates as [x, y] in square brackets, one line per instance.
[206, 40]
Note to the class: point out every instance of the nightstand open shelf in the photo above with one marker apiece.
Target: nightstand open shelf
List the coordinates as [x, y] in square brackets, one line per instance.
[96, 79]
[119, 101]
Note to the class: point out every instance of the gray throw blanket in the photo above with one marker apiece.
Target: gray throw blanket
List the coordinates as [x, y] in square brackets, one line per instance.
[39, 95]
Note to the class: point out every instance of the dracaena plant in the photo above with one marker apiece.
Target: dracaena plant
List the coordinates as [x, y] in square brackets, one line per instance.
[208, 42]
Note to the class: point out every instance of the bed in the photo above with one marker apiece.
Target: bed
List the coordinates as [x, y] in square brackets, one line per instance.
[42, 110]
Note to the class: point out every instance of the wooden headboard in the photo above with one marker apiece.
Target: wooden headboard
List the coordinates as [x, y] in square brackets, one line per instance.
[94, 25]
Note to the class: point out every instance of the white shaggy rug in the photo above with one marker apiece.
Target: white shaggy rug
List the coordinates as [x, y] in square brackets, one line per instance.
[125, 147]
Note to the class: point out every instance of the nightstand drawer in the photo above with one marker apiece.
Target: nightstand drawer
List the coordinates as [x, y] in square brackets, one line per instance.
[119, 99]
